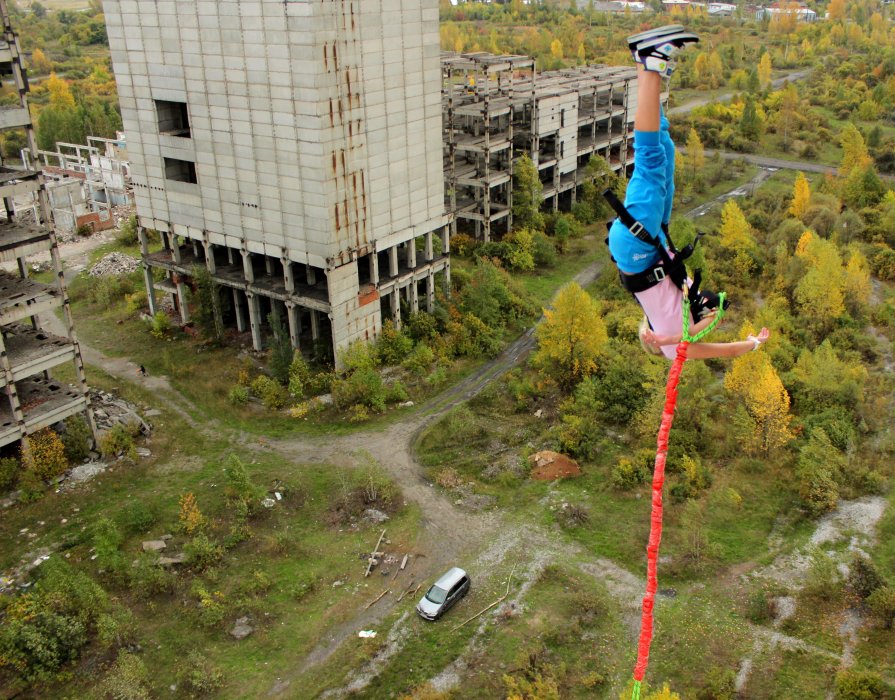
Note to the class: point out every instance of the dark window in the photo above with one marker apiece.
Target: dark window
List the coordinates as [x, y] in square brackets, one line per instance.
[180, 170]
[173, 118]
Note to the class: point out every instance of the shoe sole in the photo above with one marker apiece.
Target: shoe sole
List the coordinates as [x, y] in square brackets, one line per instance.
[653, 42]
[657, 32]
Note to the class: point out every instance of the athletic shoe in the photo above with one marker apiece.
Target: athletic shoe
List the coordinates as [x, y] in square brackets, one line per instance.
[656, 53]
[634, 39]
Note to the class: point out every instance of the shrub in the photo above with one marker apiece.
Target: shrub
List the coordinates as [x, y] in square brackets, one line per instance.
[863, 577]
[396, 393]
[199, 676]
[148, 578]
[543, 251]
[114, 630]
[627, 474]
[84, 230]
[31, 488]
[77, 439]
[239, 395]
[281, 351]
[47, 458]
[106, 290]
[9, 473]
[362, 384]
[136, 302]
[160, 325]
[320, 383]
[191, 518]
[393, 345]
[136, 517]
[882, 605]
[107, 541]
[462, 245]
[202, 552]
[239, 486]
[118, 441]
[127, 234]
[822, 581]
[299, 375]
[421, 327]
[211, 608]
[272, 394]
[128, 679]
[859, 685]
[419, 360]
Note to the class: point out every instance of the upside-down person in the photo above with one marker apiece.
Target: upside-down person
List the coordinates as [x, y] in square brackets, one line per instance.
[649, 266]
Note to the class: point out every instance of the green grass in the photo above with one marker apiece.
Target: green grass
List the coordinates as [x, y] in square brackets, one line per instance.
[788, 674]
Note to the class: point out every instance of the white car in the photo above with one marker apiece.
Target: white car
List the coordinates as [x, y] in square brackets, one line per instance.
[443, 594]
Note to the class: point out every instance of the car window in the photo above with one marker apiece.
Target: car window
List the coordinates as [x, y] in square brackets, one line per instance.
[436, 595]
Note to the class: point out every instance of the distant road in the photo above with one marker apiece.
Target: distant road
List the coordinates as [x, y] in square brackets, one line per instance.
[724, 97]
[765, 162]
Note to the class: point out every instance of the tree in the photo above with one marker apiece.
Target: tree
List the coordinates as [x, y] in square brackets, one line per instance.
[857, 283]
[854, 150]
[882, 605]
[736, 233]
[40, 63]
[571, 337]
[695, 157]
[556, 49]
[818, 472]
[764, 421]
[764, 70]
[751, 126]
[801, 195]
[863, 187]
[38, 10]
[822, 380]
[836, 10]
[788, 116]
[206, 298]
[820, 294]
[527, 195]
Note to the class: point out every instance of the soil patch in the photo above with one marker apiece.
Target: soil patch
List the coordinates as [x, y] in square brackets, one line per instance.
[550, 466]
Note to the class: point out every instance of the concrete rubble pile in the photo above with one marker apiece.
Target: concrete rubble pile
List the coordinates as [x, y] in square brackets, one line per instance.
[110, 410]
[114, 264]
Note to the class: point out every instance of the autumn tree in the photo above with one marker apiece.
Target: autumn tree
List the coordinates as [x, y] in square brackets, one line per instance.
[571, 337]
[763, 416]
[694, 159]
[764, 70]
[751, 126]
[737, 238]
[801, 195]
[854, 150]
[857, 283]
[40, 63]
[527, 195]
[818, 472]
[821, 380]
[788, 117]
[820, 294]
[836, 10]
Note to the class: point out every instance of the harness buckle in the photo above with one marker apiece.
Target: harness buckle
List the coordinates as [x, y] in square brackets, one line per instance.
[659, 274]
[637, 229]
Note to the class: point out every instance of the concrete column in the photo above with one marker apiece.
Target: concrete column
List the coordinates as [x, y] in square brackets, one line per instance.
[230, 256]
[275, 310]
[414, 297]
[144, 241]
[430, 292]
[293, 313]
[209, 258]
[195, 248]
[395, 299]
[429, 246]
[288, 275]
[315, 325]
[182, 304]
[240, 313]
[374, 268]
[312, 275]
[446, 240]
[393, 261]
[150, 289]
[411, 253]
[268, 265]
[175, 248]
[255, 320]
[247, 268]
[446, 288]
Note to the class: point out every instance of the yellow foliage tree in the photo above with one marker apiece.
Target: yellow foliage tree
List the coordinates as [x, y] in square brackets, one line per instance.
[801, 195]
[857, 282]
[582, 56]
[556, 49]
[60, 92]
[836, 10]
[765, 422]
[571, 336]
[764, 70]
[46, 456]
[854, 150]
[191, 518]
[695, 156]
[40, 63]
[736, 233]
[820, 294]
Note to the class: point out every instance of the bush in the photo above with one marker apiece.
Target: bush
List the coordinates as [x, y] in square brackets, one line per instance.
[882, 605]
[199, 676]
[160, 325]
[127, 234]
[148, 578]
[239, 395]
[627, 474]
[272, 394]
[106, 290]
[136, 517]
[47, 458]
[863, 577]
[463, 245]
[419, 360]
[118, 441]
[859, 685]
[299, 375]
[9, 473]
[47, 627]
[31, 488]
[281, 350]
[190, 517]
[239, 487]
[393, 345]
[822, 581]
[211, 608]
[115, 630]
[421, 327]
[77, 439]
[362, 384]
[720, 684]
[107, 541]
[202, 552]
[128, 679]
[543, 251]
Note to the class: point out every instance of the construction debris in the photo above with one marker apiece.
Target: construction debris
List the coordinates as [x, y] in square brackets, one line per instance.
[378, 598]
[110, 410]
[374, 557]
[114, 264]
[407, 590]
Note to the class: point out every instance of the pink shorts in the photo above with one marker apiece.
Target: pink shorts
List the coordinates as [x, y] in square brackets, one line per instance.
[663, 306]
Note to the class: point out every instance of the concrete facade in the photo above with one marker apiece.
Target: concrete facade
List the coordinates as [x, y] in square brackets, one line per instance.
[28, 354]
[293, 148]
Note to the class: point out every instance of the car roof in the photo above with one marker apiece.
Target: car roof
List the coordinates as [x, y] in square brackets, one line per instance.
[450, 578]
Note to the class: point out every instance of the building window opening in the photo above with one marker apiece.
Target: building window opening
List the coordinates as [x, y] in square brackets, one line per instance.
[180, 170]
[173, 118]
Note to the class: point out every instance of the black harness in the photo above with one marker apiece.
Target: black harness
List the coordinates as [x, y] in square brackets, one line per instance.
[667, 267]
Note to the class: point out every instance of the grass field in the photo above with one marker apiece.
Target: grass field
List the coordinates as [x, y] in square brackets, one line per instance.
[56, 4]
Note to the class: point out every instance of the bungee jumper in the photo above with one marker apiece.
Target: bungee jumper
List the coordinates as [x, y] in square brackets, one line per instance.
[649, 265]
[677, 314]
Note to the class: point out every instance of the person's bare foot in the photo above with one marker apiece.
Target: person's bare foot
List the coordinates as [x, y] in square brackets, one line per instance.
[762, 336]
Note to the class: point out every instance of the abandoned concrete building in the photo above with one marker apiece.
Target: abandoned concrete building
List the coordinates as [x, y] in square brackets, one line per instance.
[497, 108]
[316, 157]
[28, 354]
[294, 150]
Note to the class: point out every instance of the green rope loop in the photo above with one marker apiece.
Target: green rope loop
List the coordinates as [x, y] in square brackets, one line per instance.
[635, 695]
[685, 336]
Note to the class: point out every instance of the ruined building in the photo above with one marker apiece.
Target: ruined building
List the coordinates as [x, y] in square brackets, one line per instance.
[497, 108]
[28, 354]
[291, 148]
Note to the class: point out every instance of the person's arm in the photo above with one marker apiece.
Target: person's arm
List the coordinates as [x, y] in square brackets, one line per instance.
[650, 338]
[706, 351]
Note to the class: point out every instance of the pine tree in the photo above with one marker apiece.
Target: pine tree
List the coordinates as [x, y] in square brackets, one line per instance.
[571, 337]
[801, 195]
[750, 124]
